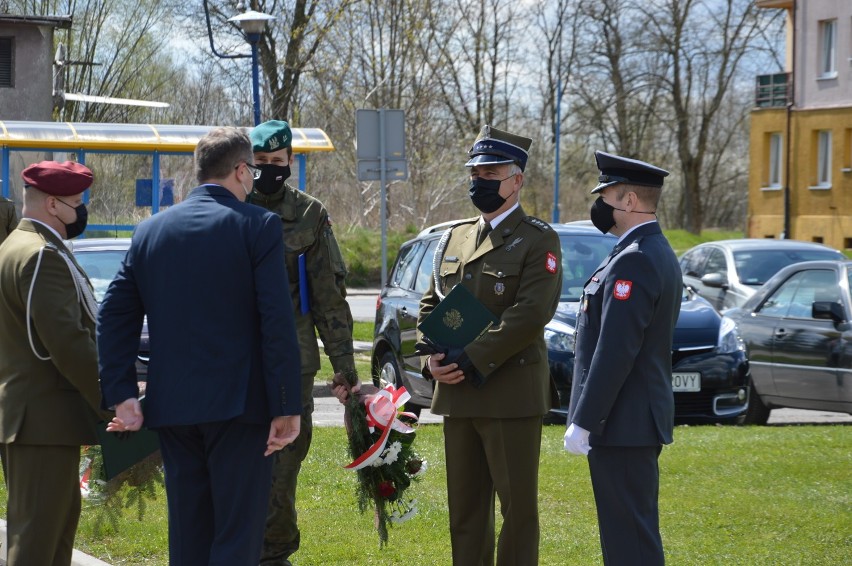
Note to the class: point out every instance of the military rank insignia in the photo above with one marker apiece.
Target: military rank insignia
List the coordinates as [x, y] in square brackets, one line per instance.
[622, 289]
[550, 263]
[499, 288]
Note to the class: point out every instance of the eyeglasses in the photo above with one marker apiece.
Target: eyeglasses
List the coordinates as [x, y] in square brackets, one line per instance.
[255, 171]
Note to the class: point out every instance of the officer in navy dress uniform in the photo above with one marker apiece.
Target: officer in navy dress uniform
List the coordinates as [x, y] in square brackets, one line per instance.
[622, 406]
[494, 393]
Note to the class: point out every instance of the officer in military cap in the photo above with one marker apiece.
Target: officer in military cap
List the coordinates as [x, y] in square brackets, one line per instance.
[494, 392]
[317, 288]
[622, 407]
[8, 218]
[49, 393]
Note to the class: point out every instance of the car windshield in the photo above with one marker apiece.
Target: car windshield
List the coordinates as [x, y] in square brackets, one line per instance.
[101, 267]
[756, 267]
[581, 255]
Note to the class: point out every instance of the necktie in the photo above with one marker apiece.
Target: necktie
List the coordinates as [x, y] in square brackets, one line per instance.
[484, 229]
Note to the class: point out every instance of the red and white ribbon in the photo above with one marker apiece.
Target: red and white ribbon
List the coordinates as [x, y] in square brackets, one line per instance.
[383, 412]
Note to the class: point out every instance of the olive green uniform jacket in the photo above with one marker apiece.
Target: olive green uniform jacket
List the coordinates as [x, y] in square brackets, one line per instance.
[8, 218]
[307, 230]
[516, 274]
[44, 402]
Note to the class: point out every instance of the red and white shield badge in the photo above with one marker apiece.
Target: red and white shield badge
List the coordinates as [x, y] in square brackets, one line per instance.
[550, 263]
[622, 289]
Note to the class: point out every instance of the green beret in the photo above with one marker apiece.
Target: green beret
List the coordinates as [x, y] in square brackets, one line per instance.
[271, 136]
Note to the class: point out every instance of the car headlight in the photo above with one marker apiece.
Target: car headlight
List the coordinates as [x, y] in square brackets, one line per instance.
[559, 337]
[730, 340]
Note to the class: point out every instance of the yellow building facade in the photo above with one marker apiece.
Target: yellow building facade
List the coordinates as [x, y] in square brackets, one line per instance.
[800, 184]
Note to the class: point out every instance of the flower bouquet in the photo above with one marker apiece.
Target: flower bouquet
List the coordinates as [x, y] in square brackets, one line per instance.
[381, 443]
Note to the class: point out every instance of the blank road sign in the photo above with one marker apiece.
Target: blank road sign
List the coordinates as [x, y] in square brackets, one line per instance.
[367, 134]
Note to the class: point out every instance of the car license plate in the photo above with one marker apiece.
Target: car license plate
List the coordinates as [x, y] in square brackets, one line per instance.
[686, 381]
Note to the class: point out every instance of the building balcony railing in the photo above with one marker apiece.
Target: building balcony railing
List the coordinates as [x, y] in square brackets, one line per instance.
[773, 90]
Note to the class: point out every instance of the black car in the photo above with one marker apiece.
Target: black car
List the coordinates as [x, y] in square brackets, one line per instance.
[798, 329]
[101, 258]
[710, 367]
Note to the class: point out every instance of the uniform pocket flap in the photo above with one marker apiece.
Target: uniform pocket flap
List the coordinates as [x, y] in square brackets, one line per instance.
[501, 270]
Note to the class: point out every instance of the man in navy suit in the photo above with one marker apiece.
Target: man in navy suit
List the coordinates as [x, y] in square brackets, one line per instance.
[622, 406]
[223, 387]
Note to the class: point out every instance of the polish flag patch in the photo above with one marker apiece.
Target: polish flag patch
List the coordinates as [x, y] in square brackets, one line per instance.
[622, 289]
[550, 263]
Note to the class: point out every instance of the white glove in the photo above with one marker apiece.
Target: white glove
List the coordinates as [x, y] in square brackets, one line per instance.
[577, 440]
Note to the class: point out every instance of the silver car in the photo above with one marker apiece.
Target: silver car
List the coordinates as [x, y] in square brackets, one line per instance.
[728, 272]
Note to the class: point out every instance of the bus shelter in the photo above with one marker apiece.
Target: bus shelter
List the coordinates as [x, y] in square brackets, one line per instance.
[154, 140]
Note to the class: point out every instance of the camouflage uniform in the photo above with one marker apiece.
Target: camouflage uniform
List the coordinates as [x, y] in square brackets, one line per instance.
[307, 230]
[8, 218]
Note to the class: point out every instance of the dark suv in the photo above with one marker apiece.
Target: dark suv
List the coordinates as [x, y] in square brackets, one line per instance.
[710, 372]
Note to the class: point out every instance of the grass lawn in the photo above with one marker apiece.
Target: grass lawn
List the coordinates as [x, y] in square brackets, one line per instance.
[729, 495]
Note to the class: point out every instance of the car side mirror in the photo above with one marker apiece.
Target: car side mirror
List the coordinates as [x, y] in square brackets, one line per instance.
[716, 280]
[828, 310]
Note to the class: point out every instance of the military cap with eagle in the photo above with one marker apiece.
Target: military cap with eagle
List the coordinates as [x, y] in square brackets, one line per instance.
[616, 169]
[494, 147]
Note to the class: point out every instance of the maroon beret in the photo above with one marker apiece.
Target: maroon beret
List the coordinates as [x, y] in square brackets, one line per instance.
[58, 179]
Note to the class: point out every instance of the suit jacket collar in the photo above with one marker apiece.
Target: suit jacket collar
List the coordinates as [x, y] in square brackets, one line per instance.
[212, 190]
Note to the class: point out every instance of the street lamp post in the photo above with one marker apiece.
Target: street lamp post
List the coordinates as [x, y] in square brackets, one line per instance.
[253, 23]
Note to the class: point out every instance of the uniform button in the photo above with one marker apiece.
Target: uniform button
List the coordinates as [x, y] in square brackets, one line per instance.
[468, 276]
[603, 421]
[492, 364]
[499, 274]
[522, 361]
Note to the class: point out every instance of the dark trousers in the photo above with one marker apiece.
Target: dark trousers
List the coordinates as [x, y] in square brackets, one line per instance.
[282, 536]
[44, 503]
[487, 456]
[217, 484]
[626, 482]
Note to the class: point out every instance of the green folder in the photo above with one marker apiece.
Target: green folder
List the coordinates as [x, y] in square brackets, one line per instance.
[458, 320]
[121, 454]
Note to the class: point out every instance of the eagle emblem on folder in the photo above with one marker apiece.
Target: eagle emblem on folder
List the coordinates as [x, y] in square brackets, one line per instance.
[453, 319]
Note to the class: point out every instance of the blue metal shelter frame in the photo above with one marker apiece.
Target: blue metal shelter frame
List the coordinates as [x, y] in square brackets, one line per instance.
[138, 139]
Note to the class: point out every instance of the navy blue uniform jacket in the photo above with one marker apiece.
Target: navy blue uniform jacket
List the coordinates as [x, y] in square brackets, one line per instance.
[622, 390]
[210, 275]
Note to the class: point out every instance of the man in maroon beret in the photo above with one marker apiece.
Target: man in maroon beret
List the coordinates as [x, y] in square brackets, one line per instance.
[49, 391]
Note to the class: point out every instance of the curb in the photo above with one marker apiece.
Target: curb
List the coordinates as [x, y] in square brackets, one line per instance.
[77, 558]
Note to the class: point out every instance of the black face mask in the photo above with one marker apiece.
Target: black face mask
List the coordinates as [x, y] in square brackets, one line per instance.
[79, 225]
[485, 194]
[271, 178]
[602, 215]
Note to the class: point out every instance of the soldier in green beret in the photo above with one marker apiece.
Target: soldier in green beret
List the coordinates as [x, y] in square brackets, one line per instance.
[8, 218]
[49, 392]
[317, 273]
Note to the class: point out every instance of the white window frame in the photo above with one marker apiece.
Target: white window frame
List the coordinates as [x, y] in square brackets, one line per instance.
[776, 147]
[827, 49]
[824, 159]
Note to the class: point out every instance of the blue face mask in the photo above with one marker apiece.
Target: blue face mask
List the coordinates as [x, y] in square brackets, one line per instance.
[485, 194]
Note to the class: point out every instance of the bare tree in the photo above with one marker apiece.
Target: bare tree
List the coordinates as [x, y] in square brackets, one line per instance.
[116, 51]
[704, 44]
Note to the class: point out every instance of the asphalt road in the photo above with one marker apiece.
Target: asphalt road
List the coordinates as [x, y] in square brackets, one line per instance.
[362, 303]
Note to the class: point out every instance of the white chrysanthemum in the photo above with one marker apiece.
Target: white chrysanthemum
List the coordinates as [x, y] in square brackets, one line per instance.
[392, 453]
